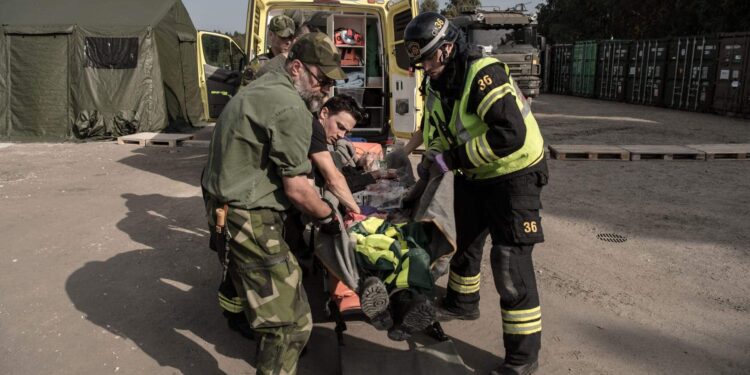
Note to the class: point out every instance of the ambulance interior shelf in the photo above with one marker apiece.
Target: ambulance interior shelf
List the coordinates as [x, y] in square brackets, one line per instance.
[358, 37]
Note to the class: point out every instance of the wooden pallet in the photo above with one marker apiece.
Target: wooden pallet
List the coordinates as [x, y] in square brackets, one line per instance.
[739, 151]
[663, 152]
[154, 139]
[588, 152]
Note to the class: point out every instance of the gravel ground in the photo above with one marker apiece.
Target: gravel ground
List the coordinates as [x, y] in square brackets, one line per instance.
[105, 268]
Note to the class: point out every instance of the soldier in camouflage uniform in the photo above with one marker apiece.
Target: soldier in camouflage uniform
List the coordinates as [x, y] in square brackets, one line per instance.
[257, 168]
[281, 36]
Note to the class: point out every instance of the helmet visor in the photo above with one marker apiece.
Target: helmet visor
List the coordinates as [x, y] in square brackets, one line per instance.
[418, 53]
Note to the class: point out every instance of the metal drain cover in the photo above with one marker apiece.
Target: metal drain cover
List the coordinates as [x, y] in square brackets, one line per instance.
[612, 237]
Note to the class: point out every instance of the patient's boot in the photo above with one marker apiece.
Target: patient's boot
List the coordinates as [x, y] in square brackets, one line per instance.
[374, 301]
[413, 313]
[419, 314]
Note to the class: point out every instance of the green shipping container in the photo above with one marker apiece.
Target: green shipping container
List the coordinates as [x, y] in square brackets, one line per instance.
[583, 76]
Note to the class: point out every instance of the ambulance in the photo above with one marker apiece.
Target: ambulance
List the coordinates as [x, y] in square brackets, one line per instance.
[220, 63]
[369, 35]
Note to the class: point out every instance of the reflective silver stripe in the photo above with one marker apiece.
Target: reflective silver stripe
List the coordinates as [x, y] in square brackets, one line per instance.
[464, 285]
[473, 154]
[523, 328]
[484, 149]
[493, 96]
[525, 111]
[525, 108]
[466, 280]
[461, 131]
[522, 317]
[463, 289]
[430, 101]
[434, 40]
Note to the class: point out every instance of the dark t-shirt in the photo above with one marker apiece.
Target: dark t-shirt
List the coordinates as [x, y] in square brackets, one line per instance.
[355, 178]
[318, 142]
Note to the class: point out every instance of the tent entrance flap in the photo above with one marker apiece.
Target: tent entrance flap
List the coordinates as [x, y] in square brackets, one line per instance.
[39, 80]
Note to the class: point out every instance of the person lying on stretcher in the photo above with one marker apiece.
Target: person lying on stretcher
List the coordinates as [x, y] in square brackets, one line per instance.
[394, 261]
[395, 269]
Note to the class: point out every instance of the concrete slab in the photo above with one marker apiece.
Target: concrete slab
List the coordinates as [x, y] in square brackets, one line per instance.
[588, 152]
[154, 139]
[663, 152]
[738, 151]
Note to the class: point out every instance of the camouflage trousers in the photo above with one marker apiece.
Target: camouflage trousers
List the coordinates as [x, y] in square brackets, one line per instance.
[269, 281]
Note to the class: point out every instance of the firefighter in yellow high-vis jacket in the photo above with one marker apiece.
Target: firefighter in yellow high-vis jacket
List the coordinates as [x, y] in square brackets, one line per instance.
[479, 126]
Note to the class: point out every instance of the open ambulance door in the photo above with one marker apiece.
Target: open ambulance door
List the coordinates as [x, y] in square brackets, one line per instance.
[405, 99]
[255, 31]
[220, 64]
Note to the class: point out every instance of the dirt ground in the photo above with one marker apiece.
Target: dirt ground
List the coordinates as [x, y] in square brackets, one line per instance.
[104, 266]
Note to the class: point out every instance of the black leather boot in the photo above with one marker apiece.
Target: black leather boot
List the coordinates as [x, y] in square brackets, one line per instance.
[444, 314]
[508, 369]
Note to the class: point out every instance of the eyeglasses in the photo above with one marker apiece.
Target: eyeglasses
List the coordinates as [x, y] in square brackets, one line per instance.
[419, 65]
[323, 82]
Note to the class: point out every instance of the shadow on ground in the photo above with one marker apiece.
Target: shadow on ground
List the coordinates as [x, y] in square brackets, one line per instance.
[163, 296]
[158, 295]
[183, 164]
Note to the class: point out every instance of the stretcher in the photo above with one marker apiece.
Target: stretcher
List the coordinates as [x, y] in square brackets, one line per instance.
[336, 258]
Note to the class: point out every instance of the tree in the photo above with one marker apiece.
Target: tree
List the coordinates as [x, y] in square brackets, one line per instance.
[429, 6]
[565, 21]
[238, 38]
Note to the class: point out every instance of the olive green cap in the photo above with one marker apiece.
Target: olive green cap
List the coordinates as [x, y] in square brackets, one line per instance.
[282, 26]
[297, 16]
[317, 49]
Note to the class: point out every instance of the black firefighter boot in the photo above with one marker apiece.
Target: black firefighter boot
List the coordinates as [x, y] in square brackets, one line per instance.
[445, 313]
[524, 369]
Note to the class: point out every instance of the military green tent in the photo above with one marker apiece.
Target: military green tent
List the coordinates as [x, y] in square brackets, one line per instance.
[96, 68]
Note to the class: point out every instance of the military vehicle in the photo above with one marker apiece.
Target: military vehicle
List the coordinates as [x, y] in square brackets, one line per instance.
[510, 35]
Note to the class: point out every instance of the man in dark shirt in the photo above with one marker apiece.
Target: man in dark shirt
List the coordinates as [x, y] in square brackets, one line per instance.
[338, 116]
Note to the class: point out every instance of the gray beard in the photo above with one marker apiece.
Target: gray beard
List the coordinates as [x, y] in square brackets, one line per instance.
[314, 102]
[312, 98]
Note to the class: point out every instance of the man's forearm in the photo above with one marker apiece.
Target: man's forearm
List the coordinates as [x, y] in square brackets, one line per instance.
[335, 181]
[305, 198]
[337, 185]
